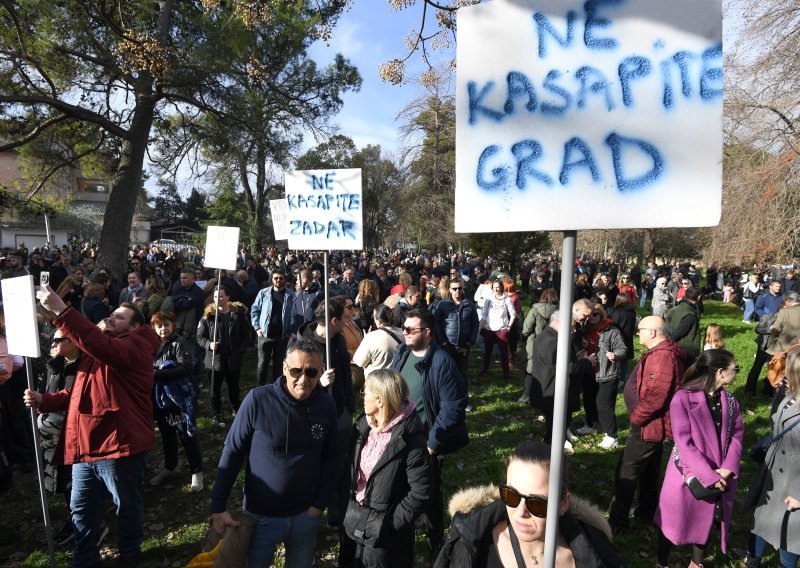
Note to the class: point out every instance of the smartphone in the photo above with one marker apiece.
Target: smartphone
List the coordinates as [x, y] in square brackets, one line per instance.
[44, 278]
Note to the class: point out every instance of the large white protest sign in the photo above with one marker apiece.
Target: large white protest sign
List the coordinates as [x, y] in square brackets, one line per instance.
[222, 244]
[576, 114]
[19, 310]
[279, 209]
[325, 209]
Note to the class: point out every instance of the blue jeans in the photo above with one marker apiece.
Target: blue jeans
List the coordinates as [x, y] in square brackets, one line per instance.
[123, 479]
[749, 310]
[759, 545]
[298, 533]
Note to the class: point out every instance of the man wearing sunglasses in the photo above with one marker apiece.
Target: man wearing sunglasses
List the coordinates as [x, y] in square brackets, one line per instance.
[649, 391]
[271, 317]
[338, 379]
[108, 428]
[440, 397]
[291, 426]
[457, 325]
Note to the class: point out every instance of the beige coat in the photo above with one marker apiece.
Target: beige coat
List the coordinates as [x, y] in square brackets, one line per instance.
[785, 330]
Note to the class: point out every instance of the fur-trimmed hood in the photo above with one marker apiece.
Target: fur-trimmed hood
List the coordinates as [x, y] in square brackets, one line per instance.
[472, 498]
[236, 308]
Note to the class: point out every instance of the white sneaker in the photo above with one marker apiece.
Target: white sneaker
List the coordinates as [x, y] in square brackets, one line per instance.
[162, 476]
[585, 430]
[608, 443]
[567, 445]
[571, 437]
[197, 482]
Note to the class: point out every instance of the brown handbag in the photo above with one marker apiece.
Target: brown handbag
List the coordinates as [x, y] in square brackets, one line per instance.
[776, 368]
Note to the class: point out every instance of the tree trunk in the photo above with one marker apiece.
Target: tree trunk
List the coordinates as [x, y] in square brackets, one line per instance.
[648, 247]
[260, 197]
[115, 236]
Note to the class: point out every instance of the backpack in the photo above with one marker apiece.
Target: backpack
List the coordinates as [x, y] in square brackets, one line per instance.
[776, 368]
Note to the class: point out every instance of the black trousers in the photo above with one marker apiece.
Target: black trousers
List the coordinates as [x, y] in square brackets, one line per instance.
[606, 407]
[169, 437]
[590, 389]
[639, 467]
[435, 512]
[461, 357]
[762, 357]
[230, 376]
[274, 351]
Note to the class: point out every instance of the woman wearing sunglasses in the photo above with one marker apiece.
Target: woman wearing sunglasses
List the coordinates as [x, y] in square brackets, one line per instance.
[390, 477]
[700, 483]
[505, 527]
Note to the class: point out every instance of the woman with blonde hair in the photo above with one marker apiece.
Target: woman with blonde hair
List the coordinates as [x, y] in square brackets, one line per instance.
[777, 484]
[390, 479]
[367, 298]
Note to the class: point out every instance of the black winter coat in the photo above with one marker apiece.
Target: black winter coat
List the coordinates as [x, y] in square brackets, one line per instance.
[342, 388]
[381, 531]
[235, 337]
[543, 363]
[470, 534]
[624, 317]
[175, 349]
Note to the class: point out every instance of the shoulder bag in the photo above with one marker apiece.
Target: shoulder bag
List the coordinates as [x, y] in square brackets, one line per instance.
[696, 488]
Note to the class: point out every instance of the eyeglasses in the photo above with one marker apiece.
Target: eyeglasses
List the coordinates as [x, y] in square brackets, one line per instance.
[412, 330]
[625, 279]
[646, 329]
[297, 372]
[57, 340]
[365, 392]
[735, 369]
[459, 289]
[536, 506]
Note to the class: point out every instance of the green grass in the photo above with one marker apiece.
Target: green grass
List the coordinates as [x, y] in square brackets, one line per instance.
[176, 519]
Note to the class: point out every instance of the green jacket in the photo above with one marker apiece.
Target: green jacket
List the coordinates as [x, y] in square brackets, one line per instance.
[685, 333]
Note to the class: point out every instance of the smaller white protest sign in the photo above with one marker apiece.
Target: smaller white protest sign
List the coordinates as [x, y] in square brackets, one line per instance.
[325, 209]
[279, 209]
[221, 247]
[19, 309]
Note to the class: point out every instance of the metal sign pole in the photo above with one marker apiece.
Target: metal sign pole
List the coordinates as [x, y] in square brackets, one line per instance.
[40, 468]
[47, 229]
[327, 315]
[560, 403]
[216, 319]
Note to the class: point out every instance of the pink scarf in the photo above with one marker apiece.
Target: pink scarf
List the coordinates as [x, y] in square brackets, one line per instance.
[375, 446]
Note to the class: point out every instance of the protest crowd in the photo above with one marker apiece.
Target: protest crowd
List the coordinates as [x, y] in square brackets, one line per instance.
[360, 406]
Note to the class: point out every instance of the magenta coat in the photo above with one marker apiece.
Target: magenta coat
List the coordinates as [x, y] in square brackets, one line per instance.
[682, 518]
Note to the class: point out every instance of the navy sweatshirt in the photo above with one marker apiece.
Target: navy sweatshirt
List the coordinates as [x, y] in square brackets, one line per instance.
[292, 449]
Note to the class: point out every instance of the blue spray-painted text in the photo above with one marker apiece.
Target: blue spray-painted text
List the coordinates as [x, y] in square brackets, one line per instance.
[578, 159]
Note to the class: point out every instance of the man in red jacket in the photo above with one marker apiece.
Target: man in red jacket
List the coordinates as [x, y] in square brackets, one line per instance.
[657, 375]
[108, 428]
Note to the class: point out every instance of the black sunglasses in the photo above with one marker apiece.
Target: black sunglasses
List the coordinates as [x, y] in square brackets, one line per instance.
[537, 506]
[309, 372]
[57, 340]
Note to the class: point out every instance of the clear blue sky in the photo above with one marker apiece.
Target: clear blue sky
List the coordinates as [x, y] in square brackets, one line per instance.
[368, 35]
